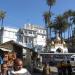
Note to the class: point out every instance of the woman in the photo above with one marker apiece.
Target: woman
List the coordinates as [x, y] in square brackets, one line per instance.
[4, 69]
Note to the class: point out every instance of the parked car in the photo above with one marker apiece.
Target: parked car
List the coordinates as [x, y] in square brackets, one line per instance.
[72, 61]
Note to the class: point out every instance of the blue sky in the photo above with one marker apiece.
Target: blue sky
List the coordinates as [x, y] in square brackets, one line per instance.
[20, 12]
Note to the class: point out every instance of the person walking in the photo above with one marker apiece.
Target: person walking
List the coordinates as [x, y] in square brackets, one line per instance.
[63, 68]
[59, 67]
[69, 68]
[46, 69]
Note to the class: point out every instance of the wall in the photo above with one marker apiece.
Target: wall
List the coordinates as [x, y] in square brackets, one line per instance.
[9, 34]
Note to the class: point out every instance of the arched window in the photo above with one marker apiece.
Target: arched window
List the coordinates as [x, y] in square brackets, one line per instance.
[59, 50]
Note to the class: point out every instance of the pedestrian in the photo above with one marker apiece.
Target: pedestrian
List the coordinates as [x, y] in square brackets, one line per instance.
[46, 69]
[4, 69]
[63, 68]
[18, 68]
[59, 67]
[69, 68]
[5, 57]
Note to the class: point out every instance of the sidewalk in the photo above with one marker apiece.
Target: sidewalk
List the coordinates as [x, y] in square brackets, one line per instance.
[36, 74]
[53, 71]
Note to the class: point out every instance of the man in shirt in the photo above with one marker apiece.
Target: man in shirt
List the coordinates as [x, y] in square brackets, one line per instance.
[18, 68]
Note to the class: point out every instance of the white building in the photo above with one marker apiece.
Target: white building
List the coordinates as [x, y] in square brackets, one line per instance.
[33, 37]
[58, 45]
[7, 34]
[29, 36]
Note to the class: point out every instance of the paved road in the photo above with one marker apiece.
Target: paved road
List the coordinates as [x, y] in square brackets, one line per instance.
[53, 70]
[36, 74]
[50, 74]
[41, 74]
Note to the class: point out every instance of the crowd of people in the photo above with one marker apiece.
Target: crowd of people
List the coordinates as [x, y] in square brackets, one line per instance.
[12, 65]
[64, 68]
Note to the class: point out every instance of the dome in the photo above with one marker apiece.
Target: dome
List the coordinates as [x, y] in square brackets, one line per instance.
[52, 42]
[64, 42]
[58, 39]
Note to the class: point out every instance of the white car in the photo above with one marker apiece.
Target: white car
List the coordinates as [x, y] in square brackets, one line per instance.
[72, 61]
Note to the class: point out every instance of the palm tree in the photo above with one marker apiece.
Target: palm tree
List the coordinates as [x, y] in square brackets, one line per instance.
[2, 16]
[68, 15]
[47, 21]
[73, 18]
[60, 24]
[50, 3]
[73, 30]
[73, 40]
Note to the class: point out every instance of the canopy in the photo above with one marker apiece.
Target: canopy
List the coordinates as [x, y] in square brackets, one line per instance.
[3, 49]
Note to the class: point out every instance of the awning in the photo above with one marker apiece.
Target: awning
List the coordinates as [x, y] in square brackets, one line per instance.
[3, 49]
[12, 42]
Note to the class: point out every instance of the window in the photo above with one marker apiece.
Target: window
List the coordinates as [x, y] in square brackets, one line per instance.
[41, 31]
[72, 59]
[42, 36]
[20, 38]
[30, 40]
[25, 32]
[30, 32]
[44, 31]
[34, 32]
[25, 39]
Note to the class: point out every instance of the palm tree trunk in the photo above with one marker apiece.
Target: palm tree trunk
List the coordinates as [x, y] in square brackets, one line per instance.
[50, 33]
[61, 35]
[55, 33]
[68, 34]
[50, 18]
[64, 35]
[2, 23]
[46, 30]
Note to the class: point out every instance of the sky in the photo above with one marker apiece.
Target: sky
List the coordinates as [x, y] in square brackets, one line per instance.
[20, 12]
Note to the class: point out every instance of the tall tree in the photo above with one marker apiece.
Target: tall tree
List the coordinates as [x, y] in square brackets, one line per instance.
[68, 15]
[73, 18]
[60, 24]
[2, 16]
[47, 21]
[50, 3]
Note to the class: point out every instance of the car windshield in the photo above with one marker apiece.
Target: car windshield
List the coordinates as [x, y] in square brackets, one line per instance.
[72, 59]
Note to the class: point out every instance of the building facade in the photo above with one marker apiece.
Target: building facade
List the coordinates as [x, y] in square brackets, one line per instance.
[7, 34]
[29, 36]
[58, 45]
[33, 37]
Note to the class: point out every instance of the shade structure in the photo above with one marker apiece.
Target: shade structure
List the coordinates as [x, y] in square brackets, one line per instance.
[3, 49]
